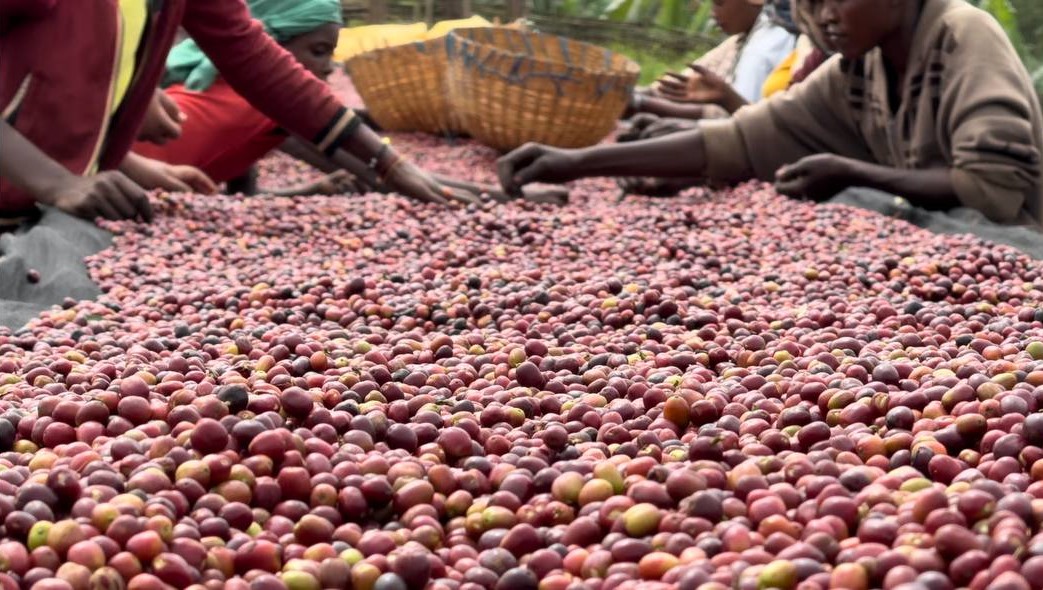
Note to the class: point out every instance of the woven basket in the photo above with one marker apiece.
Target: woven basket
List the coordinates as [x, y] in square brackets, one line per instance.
[403, 87]
[511, 87]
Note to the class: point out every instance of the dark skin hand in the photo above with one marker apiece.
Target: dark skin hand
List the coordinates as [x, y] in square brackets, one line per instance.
[152, 174]
[822, 176]
[335, 183]
[653, 157]
[817, 177]
[162, 121]
[654, 187]
[704, 87]
[109, 194]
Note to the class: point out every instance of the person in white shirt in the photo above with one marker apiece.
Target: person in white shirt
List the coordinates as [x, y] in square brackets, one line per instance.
[767, 44]
[758, 43]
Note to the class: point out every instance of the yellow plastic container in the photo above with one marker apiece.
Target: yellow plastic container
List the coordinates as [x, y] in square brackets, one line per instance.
[355, 40]
[442, 29]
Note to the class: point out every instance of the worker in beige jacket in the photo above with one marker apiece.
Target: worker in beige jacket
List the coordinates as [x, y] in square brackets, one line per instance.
[926, 100]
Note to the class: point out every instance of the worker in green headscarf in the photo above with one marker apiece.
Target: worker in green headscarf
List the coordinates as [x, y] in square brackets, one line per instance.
[282, 19]
[220, 131]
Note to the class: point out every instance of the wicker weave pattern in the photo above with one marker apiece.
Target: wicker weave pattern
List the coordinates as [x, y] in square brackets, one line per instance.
[511, 87]
[404, 86]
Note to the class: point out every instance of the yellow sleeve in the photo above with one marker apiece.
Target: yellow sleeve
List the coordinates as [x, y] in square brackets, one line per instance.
[133, 14]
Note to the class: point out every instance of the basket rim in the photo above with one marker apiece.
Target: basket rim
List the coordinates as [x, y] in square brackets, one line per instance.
[434, 42]
[631, 66]
[378, 52]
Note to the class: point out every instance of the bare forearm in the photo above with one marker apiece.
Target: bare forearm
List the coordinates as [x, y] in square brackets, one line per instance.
[299, 190]
[132, 165]
[651, 157]
[25, 166]
[930, 189]
[669, 108]
[308, 153]
[342, 160]
[339, 160]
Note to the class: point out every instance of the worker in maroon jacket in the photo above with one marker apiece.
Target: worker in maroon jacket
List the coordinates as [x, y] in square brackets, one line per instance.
[77, 77]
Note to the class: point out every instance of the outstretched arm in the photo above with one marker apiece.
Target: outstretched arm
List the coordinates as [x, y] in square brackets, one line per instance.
[652, 157]
[702, 87]
[366, 178]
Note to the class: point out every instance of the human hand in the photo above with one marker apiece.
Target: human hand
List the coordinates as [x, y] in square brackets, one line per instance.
[153, 174]
[551, 195]
[702, 87]
[638, 123]
[406, 179]
[650, 187]
[535, 163]
[341, 182]
[337, 183]
[108, 194]
[817, 177]
[162, 120]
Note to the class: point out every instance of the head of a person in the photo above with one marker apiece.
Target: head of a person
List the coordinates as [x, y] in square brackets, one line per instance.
[314, 49]
[736, 17]
[306, 28]
[853, 27]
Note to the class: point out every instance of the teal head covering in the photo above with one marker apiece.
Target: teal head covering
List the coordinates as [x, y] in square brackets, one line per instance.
[282, 19]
